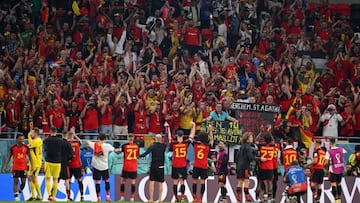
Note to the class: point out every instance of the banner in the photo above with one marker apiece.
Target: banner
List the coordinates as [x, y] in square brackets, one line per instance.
[250, 116]
[350, 190]
[7, 193]
[229, 132]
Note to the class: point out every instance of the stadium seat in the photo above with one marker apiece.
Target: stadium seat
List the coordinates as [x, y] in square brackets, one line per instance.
[343, 9]
[313, 6]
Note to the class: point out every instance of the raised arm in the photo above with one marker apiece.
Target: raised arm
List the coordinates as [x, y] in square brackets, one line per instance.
[193, 130]
[211, 136]
[167, 127]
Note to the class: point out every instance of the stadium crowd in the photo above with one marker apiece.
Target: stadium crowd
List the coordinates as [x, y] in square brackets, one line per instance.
[127, 66]
[118, 67]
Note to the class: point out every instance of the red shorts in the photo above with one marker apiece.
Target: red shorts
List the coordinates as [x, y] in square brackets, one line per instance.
[298, 188]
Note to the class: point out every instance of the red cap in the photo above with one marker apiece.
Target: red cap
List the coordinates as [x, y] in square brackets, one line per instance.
[299, 90]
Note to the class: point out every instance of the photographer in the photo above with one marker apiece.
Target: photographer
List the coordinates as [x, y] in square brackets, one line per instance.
[330, 121]
[90, 116]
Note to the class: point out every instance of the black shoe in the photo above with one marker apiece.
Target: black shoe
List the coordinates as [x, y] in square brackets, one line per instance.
[31, 199]
[38, 199]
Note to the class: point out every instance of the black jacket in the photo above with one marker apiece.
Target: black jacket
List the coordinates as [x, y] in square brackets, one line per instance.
[244, 156]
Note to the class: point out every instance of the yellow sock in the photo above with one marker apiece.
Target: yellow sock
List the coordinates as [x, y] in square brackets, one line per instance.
[32, 188]
[47, 184]
[37, 187]
[55, 187]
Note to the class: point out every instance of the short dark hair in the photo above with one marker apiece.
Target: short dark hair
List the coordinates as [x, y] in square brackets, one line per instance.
[19, 135]
[179, 133]
[116, 145]
[290, 141]
[53, 129]
[318, 142]
[267, 138]
[101, 136]
[332, 140]
[295, 163]
[203, 136]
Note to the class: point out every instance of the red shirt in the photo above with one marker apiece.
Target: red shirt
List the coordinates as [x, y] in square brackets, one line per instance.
[320, 154]
[140, 123]
[131, 154]
[276, 155]
[155, 123]
[121, 115]
[267, 151]
[75, 162]
[287, 156]
[201, 152]
[231, 70]
[58, 115]
[19, 157]
[179, 153]
[106, 118]
[91, 119]
[191, 36]
[174, 122]
[73, 118]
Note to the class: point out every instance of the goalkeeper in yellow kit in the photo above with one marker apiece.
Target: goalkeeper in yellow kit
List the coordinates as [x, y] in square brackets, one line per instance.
[35, 145]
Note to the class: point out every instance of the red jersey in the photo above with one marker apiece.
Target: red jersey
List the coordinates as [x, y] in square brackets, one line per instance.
[91, 119]
[192, 36]
[106, 118]
[276, 156]
[19, 157]
[140, 123]
[320, 155]
[287, 156]
[179, 153]
[75, 162]
[267, 151]
[131, 154]
[201, 152]
[58, 115]
[155, 123]
[121, 115]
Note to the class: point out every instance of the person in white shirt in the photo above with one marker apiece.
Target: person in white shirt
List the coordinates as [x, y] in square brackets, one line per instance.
[330, 121]
[100, 163]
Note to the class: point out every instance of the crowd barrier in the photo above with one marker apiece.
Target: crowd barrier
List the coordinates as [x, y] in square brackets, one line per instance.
[350, 190]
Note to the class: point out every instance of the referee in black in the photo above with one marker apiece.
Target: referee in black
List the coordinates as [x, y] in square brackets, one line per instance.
[157, 150]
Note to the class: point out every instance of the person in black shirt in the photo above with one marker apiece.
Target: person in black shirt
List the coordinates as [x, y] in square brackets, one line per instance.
[66, 155]
[157, 150]
[53, 148]
[243, 158]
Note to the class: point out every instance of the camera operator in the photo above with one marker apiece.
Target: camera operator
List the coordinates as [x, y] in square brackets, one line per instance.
[281, 128]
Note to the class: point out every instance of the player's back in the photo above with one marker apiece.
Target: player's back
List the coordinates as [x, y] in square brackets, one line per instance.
[267, 151]
[201, 152]
[131, 154]
[75, 162]
[179, 153]
[287, 156]
[53, 148]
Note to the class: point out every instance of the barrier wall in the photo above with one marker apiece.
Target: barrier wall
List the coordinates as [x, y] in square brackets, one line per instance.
[350, 186]
[350, 190]
[6, 189]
